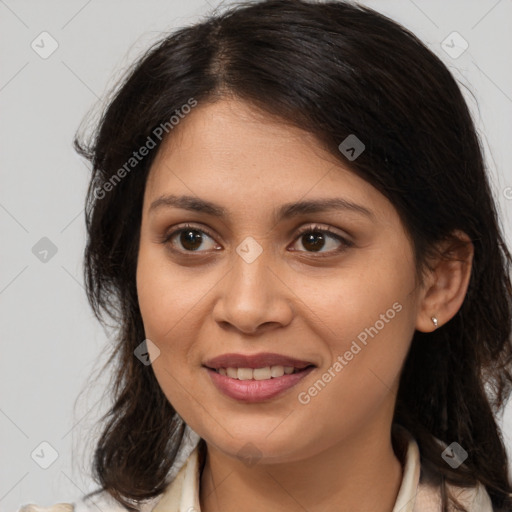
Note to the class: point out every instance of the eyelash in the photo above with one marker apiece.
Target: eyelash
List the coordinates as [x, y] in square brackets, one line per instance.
[315, 228]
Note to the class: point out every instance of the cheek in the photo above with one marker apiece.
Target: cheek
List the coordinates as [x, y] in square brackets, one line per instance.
[174, 305]
[367, 322]
[358, 298]
[165, 295]
[167, 309]
[365, 364]
[161, 308]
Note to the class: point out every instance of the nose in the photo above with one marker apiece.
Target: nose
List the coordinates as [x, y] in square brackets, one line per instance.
[252, 297]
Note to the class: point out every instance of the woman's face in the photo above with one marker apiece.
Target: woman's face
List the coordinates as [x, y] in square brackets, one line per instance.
[248, 282]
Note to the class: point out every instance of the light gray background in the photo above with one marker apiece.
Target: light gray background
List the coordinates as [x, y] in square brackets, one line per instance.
[50, 340]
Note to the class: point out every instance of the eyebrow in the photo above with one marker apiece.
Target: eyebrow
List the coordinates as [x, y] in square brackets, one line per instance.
[285, 211]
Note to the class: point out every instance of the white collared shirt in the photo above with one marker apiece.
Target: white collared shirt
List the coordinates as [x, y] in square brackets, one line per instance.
[182, 493]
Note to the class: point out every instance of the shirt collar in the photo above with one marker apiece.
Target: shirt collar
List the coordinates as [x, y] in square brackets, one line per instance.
[409, 455]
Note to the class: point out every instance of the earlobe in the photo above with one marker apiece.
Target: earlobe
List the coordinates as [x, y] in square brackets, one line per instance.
[447, 283]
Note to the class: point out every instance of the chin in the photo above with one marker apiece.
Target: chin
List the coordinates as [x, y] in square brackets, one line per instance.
[261, 448]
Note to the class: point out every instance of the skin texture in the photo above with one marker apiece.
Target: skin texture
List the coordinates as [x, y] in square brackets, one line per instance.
[333, 453]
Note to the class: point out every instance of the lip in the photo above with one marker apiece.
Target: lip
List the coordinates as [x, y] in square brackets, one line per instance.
[255, 361]
[250, 391]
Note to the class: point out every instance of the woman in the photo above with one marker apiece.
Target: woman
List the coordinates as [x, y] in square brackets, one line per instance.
[290, 221]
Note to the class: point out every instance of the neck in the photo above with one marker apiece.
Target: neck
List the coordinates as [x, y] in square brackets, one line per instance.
[360, 473]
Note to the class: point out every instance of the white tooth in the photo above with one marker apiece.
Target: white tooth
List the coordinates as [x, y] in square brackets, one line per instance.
[244, 373]
[232, 372]
[277, 371]
[265, 373]
[262, 373]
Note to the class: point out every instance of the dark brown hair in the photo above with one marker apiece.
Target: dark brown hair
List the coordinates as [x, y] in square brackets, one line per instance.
[333, 69]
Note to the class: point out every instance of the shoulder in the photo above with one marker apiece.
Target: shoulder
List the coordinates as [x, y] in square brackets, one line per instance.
[100, 501]
[57, 507]
[420, 493]
[474, 499]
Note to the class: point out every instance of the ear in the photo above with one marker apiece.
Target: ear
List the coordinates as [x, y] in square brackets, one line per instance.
[446, 282]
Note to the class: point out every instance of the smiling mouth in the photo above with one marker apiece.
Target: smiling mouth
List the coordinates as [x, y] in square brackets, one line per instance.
[264, 373]
[253, 385]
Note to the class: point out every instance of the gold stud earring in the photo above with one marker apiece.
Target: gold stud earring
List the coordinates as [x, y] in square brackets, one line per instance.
[434, 321]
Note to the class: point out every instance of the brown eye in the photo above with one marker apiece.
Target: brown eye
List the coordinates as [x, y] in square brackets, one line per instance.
[188, 239]
[314, 239]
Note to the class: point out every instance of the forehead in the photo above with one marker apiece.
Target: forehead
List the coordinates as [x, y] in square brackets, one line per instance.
[238, 155]
[234, 131]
